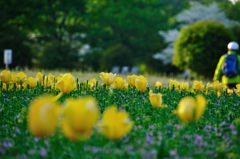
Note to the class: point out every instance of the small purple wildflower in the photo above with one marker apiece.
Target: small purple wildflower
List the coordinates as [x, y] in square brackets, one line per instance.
[173, 153]
[149, 139]
[198, 141]
[7, 144]
[149, 154]
[43, 152]
[178, 127]
[95, 150]
[129, 148]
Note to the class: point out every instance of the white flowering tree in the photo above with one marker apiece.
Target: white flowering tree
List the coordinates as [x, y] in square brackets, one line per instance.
[234, 1]
[197, 12]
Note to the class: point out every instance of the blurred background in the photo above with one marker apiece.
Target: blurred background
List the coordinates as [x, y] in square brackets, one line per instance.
[156, 36]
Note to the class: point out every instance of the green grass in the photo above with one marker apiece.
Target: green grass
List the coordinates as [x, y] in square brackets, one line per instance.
[157, 133]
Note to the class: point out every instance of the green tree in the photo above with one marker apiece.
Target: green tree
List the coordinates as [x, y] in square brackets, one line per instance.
[199, 47]
[58, 32]
[236, 32]
[117, 55]
[134, 24]
[232, 10]
[13, 34]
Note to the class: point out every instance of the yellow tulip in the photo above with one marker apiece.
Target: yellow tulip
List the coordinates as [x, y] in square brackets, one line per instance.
[230, 91]
[14, 77]
[21, 77]
[190, 109]
[200, 107]
[79, 117]
[141, 83]
[5, 76]
[238, 86]
[43, 116]
[218, 87]
[119, 83]
[92, 83]
[156, 100]
[131, 80]
[184, 86]
[198, 86]
[40, 77]
[32, 82]
[4, 87]
[158, 84]
[208, 86]
[173, 84]
[49, 81]
[115, 124]
[68, 131]
[107, 78]
[67, 83]
[237, 90]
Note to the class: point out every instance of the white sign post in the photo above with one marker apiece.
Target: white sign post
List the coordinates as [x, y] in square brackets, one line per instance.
[7, 57]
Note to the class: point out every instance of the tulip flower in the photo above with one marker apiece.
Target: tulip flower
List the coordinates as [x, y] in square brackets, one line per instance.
[5, 76]
[67, 83]
[107, 78]
[191, 109]
[158, 84]
[40, 77]
[119, 83]
[237, 90]
[4, 87]
[21, 77]
[230, 91]
[92, 83]
[216, 85]
[156, 100]
[68, 131]
[14, 77]
[198, 86]
[43, 116]
[141, 83]
[49, 81]
[173, 84]
[79, 117]
[115, 124]
[184, 86]
[131, 80]
[32, 82]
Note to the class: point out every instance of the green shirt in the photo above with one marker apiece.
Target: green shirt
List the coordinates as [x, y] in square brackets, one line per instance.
[218, 72]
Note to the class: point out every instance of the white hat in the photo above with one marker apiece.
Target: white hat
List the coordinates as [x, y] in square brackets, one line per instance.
[233, 46]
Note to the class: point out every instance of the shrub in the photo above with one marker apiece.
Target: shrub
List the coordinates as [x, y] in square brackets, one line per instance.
[22, 55]
[59, 55]
[236, 32]
[117, 55]
[199, 47]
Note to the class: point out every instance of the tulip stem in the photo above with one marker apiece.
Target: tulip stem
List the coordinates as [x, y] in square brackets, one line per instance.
[58, 96]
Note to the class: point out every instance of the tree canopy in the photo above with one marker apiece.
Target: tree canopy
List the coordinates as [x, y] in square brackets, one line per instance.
[52, 33]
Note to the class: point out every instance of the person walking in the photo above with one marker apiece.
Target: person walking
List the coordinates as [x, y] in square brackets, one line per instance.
[228, 67]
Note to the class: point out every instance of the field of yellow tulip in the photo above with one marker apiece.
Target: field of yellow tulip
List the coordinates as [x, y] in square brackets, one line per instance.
[111, 116]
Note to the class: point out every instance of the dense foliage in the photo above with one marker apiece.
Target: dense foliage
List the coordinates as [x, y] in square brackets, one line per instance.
[42, 28]
[37, 29]
[199, 47]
